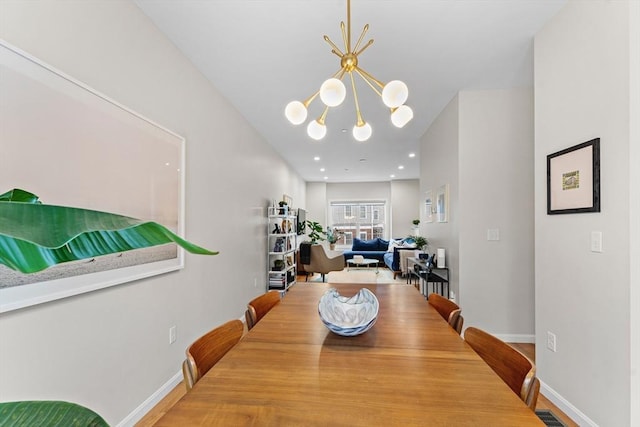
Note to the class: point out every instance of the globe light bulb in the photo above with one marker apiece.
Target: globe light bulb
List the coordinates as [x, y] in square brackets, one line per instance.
[295, 112]
[332, 92]
[401, 116]
[316, 130]
[395, 93]
[362, 133]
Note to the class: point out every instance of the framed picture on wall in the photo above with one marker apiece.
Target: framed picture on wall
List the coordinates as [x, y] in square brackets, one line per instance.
[573, 179]
[428, 206]
[73, 146]
[442, 203]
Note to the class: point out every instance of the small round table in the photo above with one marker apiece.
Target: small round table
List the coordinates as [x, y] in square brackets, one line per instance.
[362, 262]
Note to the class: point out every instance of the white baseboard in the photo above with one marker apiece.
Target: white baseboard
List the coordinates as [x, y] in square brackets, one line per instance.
[142, 410]
[571, 411]
[518, 338]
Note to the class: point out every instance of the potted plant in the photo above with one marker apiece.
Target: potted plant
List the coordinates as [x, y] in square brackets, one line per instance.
[316, 232]
[333, 235]
[416, 222]
[420, 242]
[278, 265]
[284, 207]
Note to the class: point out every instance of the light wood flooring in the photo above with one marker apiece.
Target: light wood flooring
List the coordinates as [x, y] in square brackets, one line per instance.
[165, 404]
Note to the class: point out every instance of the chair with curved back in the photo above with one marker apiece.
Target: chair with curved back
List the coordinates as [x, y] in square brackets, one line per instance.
[207, 350]
[448, 309]
[321, 263]
[260, 306]
[515, 369]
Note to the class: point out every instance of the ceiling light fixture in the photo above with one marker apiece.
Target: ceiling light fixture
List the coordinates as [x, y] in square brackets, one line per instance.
[332, 92]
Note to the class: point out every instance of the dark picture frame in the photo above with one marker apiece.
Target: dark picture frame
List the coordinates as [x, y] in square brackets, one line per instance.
[573, 179]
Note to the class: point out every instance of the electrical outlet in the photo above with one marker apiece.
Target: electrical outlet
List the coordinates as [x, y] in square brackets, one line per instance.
[173, 334]
[551, 341]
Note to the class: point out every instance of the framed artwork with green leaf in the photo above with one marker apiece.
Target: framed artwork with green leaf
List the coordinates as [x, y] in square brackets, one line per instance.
[76, 148]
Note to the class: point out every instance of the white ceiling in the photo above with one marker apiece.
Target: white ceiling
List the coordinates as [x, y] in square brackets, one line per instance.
[261, 54]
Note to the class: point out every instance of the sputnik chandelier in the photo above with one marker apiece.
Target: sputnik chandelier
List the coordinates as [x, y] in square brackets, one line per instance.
[333, 92]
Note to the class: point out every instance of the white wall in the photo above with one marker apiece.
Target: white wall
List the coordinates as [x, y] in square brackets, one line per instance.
[109, 349]
[482, 146]
[405, 203]
[583, 91]
[634, 201]
[496, 193]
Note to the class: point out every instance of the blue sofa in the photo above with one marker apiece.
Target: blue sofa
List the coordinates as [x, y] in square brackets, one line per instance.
[376, 249]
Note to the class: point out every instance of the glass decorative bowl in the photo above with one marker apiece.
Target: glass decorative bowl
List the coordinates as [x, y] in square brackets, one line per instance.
[348, 316]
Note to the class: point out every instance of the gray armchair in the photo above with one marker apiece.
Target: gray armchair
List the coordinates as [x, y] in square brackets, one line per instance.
[319, 262]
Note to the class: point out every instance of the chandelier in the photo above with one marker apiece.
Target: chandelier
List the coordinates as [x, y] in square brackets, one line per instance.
[333, 91]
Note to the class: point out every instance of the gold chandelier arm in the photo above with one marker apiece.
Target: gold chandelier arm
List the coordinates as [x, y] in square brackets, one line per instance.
[338, 54]
[310, 99]
[340, 73]
[364, 31]
[359, 121]
[345, 40]
[332, 44]
[369, 76]
[348, 26]
[369, 43]
[359, 71]
[323, 116]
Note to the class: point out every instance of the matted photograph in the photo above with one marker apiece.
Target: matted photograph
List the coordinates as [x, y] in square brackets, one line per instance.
[573, 179]
[442, 203]
[428, 206]
[72, 146]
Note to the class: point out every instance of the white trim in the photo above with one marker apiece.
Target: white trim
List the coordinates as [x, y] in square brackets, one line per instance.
[634, 212]
[517, 338]
[146, 406]
[565, 406]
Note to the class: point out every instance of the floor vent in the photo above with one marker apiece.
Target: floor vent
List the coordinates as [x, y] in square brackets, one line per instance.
[549, 419]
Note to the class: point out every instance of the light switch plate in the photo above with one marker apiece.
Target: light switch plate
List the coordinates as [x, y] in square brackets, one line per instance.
[596, 241]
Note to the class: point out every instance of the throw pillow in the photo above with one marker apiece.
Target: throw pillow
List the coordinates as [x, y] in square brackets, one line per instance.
[393, 243]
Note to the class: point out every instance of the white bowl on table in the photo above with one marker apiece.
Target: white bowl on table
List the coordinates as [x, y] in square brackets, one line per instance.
[348, 316]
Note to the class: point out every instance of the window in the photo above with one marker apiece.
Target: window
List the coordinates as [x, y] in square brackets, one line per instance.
[367, 224]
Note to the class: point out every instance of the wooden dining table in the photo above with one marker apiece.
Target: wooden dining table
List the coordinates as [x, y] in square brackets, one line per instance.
[410, 369]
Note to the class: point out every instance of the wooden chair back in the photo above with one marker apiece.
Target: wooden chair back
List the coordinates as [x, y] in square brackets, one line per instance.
[260, 306]
[515, 369]
[207, 350]
[448, 309]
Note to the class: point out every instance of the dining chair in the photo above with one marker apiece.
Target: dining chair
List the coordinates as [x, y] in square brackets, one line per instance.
[260, 306]
[207, 350]
[448, 309]
[515, 369]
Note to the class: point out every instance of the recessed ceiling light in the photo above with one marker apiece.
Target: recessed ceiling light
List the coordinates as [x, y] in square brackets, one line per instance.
[321, 169]
[412, 155]
[400, 167]
[392, 176]
[316, 158]
[343, 130]
[326, 177]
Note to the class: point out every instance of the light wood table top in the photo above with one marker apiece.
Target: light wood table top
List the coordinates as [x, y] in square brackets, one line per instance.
[410, 369]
